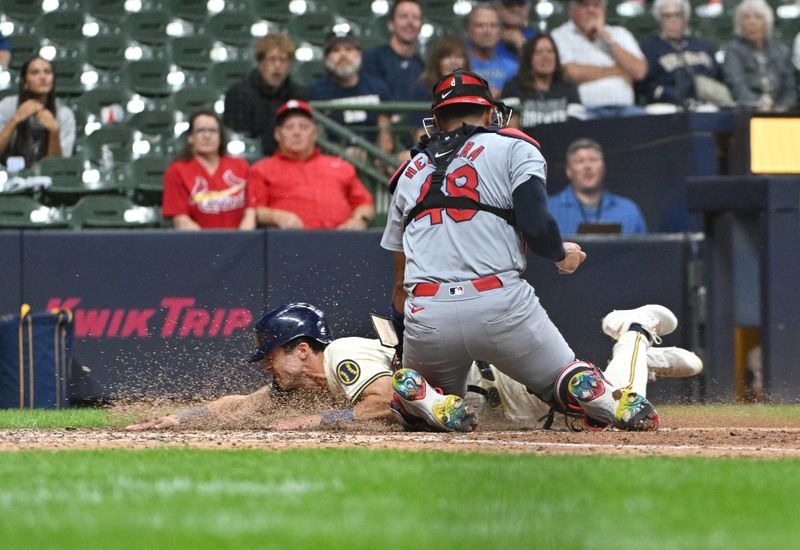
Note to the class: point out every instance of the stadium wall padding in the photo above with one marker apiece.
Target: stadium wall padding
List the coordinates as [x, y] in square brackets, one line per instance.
[164, 313]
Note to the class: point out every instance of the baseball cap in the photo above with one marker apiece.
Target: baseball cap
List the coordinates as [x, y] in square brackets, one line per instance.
[335, 38]
[293, 106]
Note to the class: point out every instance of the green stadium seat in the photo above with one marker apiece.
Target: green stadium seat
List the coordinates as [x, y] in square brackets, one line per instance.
[194, 98]
[25, 10]
[149, 78]
[117, 138]
[94, 100]
[306, 72]
[106, 10]
[271, 10]
[147, 27]
[69, 73]
[193, 51]
[313, 28]
[111, 211]
[439, 11]
[222, 75]
[153, 124]
[21, 212]
[25, 47]
[232, 27]
[189, 10]
[62, 25]
[143, 179]
[107, 51]
[352, 10]
[69, 183]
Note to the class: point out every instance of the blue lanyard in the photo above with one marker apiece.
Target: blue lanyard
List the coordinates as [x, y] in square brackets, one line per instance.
[585, 215]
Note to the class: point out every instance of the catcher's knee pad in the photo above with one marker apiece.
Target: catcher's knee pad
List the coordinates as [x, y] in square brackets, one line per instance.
[565, 400]
[416, 404]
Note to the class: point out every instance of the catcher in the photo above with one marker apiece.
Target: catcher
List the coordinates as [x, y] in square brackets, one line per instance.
[296, 347]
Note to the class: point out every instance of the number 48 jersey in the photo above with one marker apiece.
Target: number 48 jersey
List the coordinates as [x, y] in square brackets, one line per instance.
[449, 244]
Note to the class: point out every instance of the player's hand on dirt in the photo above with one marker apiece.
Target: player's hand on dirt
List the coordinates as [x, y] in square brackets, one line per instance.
[297, 423]
[574, 258]
[165, 422]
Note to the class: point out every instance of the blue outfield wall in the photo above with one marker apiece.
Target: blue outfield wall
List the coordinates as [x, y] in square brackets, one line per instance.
[166, 313]
[10, 271]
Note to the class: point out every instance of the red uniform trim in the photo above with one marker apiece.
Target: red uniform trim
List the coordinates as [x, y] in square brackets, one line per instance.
[481, 285]
[513, 132]
[396, 176]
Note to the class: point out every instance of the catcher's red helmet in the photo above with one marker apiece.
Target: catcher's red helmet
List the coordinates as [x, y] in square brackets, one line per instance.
[462, 86]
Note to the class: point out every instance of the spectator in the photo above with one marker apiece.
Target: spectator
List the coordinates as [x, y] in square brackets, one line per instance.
[345, 83]
[398, 64]
[585, 200]
[757, 67]
[514, 28]
[5, 51]
[250, 103]
[445, 56]
[34, 123]
[539, 94]
[205, 188]
[603, 60]
[482, 27]
[300, 187]
[674, 57]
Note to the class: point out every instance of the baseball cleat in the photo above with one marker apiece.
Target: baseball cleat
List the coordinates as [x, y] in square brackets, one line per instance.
[606, 405]
[673, 362]
[414, 400]
[655, 319]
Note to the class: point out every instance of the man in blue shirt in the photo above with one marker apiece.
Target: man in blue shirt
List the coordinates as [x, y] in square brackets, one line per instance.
[585, 201]
[345, 83]
[482, 28]
[398, 64]
[515, 30]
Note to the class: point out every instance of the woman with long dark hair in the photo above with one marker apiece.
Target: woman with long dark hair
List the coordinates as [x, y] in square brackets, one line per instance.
[35, 124]
[538, 93]
[205, 188]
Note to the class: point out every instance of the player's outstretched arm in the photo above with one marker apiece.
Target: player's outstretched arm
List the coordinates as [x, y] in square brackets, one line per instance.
[215, 411]
[373, 405]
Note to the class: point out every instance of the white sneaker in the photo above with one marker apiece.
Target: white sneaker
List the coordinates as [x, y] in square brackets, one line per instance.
[672, 362]
[657, 320]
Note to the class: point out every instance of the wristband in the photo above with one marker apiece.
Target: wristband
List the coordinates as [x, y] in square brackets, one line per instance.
[334, 417]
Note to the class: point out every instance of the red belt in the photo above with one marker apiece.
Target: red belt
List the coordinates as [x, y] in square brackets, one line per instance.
[484, 283]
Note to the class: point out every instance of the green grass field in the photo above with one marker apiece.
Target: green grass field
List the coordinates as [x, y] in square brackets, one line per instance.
[375, 499]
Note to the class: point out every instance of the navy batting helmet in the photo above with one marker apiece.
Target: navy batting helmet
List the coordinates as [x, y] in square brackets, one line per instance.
[287, 322]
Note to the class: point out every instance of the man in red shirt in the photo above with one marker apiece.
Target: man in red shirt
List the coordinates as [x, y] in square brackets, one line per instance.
[300, 187]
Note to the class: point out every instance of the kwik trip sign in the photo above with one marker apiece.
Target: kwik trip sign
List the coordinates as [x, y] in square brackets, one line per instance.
[175, 317]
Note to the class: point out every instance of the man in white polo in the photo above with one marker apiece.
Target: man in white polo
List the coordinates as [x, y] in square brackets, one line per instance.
[603, 60]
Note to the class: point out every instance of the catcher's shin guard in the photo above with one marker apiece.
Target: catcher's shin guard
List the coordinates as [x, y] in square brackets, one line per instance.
[418, 406]
[582, 384]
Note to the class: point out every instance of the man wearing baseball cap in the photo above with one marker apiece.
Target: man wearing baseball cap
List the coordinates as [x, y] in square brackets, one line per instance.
[345, 83]
[300, 187]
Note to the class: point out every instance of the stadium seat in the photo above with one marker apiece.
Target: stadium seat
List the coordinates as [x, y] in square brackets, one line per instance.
[192, 52]
[107, 51]
[352, 10]
[118, 139]
[150, 78]
[147, 27]
[21, 212]
[153, 123]
[93, 102]
[107, 10]
[25, 47]
[69, 73]
[306, 72]
[313, 28]
[62, 25]
[232, 27]
[143, 179]
[439, 11]
[69, 181]
[193, 98]
[271, 10]
[111, 211]
[189, 10]
[222, 75]
[25, 10]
